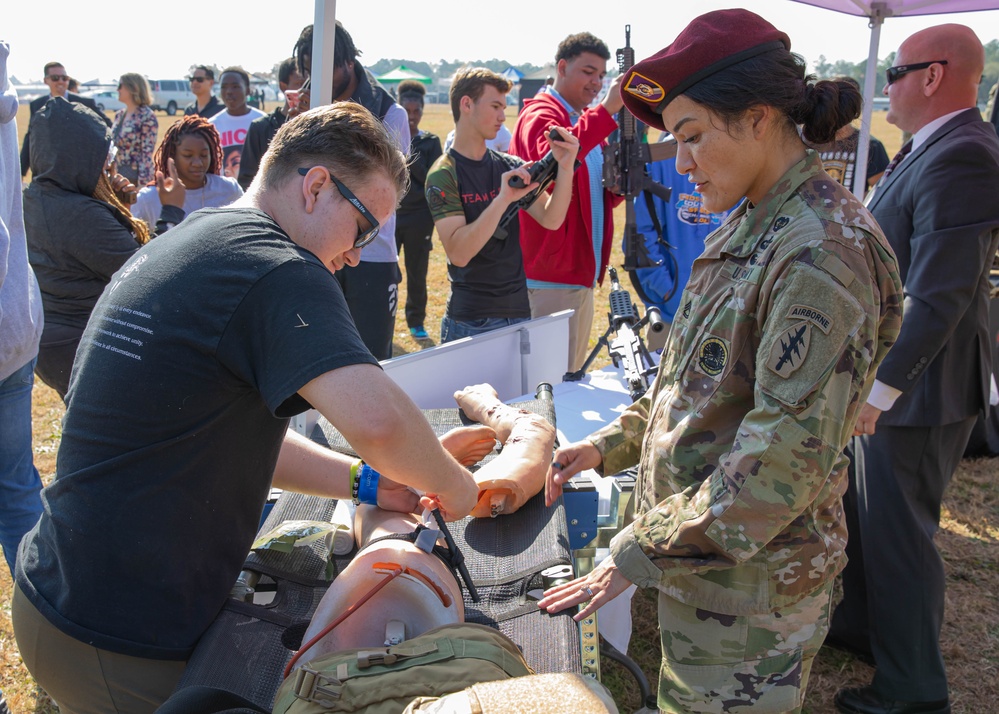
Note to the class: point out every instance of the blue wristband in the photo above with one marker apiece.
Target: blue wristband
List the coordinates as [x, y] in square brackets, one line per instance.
[367, 485]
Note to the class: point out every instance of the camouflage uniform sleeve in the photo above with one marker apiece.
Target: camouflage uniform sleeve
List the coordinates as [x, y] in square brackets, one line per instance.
[620, 442]
[812, 362]
[441, 189]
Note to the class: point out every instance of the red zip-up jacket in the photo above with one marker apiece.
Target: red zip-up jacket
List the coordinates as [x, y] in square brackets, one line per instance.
[564, 255]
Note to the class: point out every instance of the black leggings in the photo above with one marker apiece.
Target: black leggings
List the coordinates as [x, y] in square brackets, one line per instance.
[414, 233]
[56, 354]
[372, 293]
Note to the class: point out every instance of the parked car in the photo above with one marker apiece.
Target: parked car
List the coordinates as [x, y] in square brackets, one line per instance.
[169, 95]
[106, 101]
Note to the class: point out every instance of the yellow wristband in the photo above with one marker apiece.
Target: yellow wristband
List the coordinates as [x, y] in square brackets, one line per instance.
[353, 480]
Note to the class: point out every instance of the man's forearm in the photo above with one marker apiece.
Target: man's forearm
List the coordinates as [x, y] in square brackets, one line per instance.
[552, 214]
[390, 433]
[466, 241]
[306, 467]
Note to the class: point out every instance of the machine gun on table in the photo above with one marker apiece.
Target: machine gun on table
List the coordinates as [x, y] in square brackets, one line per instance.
[627, 349]
[625, 174]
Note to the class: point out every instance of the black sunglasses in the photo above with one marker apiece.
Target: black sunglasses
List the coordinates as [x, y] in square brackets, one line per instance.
[59, 77]
[198, 79]
[363, 237]
[893, 74]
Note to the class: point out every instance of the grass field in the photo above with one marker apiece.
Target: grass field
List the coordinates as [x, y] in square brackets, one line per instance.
[969, 538]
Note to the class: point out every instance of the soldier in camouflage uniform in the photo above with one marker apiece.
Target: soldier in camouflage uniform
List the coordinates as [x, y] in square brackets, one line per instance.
[793, 304]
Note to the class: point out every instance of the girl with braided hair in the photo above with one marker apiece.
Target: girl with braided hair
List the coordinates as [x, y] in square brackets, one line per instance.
[193, 144]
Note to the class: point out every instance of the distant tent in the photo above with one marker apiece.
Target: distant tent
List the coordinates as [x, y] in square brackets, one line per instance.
[513, 74]
[399, 74]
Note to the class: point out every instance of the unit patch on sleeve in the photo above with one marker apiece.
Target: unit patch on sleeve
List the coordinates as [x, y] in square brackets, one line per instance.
[436, 198]
[712, 356]
[788, 353]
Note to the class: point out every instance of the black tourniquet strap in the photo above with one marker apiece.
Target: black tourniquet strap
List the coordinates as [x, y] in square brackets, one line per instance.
[442, 553]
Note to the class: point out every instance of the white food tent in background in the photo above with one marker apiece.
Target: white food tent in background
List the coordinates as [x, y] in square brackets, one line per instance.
[876, 13]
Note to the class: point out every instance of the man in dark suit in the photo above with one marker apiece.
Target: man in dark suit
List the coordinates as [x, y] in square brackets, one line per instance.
[58, 82]
[938, 208]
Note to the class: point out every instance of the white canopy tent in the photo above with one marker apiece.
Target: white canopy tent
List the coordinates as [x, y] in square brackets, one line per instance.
[876, 12]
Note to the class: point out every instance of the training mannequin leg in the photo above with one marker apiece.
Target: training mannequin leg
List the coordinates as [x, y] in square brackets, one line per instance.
[518, 473]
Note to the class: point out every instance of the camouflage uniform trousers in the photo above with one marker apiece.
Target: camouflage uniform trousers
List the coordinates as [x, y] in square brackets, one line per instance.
[739, 663]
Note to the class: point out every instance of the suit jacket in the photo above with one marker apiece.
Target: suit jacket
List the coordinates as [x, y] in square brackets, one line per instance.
[39, 102]
[940, 212]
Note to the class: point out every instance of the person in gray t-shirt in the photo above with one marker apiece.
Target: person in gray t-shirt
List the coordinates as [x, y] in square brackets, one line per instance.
[192, 143]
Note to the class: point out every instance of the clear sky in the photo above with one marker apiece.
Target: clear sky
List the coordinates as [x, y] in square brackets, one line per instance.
[101, 39]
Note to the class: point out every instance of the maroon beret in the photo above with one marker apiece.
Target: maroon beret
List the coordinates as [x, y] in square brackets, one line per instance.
[709, 44]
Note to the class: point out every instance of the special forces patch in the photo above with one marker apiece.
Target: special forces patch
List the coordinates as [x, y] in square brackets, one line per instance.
[712, 356]
[436, 198]
[790, 349]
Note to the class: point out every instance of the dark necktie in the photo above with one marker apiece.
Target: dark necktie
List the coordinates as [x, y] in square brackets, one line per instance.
[902, 153]
[892, 165]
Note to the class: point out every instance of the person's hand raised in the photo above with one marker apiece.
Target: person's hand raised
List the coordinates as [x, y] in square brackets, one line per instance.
[170, 188]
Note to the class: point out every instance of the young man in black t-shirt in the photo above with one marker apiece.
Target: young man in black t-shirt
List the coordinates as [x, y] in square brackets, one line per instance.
[468, 190]
[198, 352]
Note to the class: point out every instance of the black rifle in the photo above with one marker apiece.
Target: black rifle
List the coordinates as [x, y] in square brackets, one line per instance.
[624, 169]
[627, 348]
[542, 171]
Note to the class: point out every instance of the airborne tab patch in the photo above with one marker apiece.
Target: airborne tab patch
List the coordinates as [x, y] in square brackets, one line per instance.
[816, 317]
[789, 351]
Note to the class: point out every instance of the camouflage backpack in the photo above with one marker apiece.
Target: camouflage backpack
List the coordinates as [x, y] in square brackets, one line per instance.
[383, 681]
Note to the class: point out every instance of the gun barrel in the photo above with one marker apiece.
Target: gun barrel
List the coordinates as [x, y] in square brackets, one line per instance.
[655, 319]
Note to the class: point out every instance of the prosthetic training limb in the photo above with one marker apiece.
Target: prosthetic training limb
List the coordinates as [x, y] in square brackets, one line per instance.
[518, 473]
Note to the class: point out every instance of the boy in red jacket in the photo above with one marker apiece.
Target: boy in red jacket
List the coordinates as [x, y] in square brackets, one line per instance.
[564, 264]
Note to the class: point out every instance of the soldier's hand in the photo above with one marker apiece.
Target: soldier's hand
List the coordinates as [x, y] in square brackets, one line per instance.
[591, 592]
[567, 462]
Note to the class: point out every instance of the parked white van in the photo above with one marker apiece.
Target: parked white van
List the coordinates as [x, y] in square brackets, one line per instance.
[169, 95]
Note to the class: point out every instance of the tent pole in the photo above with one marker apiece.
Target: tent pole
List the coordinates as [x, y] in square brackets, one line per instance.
[323, 34]
[879, 11]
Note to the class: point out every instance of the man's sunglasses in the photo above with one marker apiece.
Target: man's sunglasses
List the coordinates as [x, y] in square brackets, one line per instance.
[58, 77]
[893, 74]
[363, 237]
[198, 79]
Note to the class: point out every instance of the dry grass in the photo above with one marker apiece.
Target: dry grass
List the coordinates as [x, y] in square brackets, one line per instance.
[969, 539]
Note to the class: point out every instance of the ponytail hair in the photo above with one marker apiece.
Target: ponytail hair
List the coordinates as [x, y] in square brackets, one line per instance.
[777, 78]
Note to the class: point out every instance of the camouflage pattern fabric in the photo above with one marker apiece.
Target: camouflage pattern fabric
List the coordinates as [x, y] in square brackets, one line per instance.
[779, 333]
[774, 651]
